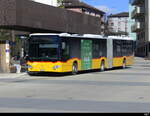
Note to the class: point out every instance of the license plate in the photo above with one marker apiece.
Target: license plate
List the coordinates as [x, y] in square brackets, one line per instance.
[42, 70]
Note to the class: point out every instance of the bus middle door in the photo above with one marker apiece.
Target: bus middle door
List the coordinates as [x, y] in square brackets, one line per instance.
[86, 54]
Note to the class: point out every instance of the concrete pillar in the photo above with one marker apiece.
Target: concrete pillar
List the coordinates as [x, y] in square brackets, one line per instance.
[5, 56]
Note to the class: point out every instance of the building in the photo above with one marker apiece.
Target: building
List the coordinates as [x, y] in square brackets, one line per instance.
[118, 23]
[78, 6]
[131, 22]
[81, 7]
[141, 15]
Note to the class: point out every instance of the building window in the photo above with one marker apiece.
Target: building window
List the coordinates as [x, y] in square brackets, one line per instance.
[112, 24]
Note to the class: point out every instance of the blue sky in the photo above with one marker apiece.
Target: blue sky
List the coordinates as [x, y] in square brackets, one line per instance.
[110, 6]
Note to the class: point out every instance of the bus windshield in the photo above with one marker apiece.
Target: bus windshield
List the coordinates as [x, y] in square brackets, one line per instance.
[43, 48]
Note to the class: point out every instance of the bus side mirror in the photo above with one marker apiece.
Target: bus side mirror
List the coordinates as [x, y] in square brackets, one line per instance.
[27, 58]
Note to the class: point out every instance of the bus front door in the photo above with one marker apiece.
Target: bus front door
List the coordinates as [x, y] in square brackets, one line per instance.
[86, 54]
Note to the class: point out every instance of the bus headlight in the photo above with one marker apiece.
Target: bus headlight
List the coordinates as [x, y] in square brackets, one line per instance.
[56, 67]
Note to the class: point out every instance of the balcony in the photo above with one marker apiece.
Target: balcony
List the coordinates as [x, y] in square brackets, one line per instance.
[137, 2]
[138, 12]
[137, 27]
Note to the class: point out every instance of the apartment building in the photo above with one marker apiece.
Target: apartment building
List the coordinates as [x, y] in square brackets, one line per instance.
[141, 15]
[118, 23]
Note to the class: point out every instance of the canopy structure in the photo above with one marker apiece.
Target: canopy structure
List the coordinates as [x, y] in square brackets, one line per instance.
[29, 16]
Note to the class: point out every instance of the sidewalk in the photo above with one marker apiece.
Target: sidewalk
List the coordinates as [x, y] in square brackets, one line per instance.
[141, 61]
[11, 75]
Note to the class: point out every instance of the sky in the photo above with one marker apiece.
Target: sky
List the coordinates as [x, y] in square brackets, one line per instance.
[109, 6]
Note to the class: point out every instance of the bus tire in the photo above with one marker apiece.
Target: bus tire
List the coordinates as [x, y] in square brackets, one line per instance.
[31, 73]
[102, 66]
[124, 64]
[74, 68]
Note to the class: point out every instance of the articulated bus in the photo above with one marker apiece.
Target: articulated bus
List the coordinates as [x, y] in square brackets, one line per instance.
[73, 53]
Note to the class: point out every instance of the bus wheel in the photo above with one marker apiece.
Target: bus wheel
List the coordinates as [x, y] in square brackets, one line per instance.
[102, 66]
[124, 64]
[74, 68]
[31, 73]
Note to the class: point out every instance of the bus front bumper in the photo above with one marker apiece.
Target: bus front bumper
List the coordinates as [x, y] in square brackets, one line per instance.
[44, 67]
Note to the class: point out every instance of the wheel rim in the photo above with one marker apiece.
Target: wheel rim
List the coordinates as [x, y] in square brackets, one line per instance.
[102, 67]
[124, 64]
[74, 69]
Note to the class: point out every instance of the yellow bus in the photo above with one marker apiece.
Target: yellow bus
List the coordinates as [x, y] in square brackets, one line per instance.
[64, 52]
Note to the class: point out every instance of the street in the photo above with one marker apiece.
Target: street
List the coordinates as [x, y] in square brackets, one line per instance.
[117, 90]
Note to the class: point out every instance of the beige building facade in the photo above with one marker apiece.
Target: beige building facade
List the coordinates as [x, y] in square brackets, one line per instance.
[118, 23]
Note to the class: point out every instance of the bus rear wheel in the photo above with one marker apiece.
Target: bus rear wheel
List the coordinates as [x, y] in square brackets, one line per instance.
[102, 66]
[124, 64]
[74, 68]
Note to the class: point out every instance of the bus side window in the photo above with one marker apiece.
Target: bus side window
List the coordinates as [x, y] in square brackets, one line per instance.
[65, 51]
[96, 49]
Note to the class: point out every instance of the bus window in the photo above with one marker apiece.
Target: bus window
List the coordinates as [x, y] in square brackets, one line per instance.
[124, 50]
[96, 49]
[48, 50]
[103, 48]
[117, 48]
[65, 50]
[44, 48]
[129, 48]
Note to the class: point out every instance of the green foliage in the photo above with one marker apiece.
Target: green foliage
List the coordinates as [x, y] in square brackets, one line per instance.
[60, 2]
[61, 6]
[5, 35]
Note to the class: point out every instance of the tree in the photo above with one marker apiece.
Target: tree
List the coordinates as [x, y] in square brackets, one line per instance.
[60, 3]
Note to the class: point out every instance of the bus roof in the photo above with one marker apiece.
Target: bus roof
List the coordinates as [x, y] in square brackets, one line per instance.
[71, 35]
[119, 37]
[90, 36]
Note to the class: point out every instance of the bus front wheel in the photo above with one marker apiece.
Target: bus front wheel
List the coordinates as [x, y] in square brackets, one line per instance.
[74, 68]
[102, 66]
[31, 73]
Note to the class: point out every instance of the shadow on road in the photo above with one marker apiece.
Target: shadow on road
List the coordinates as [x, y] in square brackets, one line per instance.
[48, 74]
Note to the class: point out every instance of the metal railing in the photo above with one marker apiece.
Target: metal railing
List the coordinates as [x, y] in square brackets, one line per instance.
[138, 26]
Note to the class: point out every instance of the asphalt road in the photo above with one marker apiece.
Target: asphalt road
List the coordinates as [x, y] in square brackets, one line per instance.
[118, 90]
